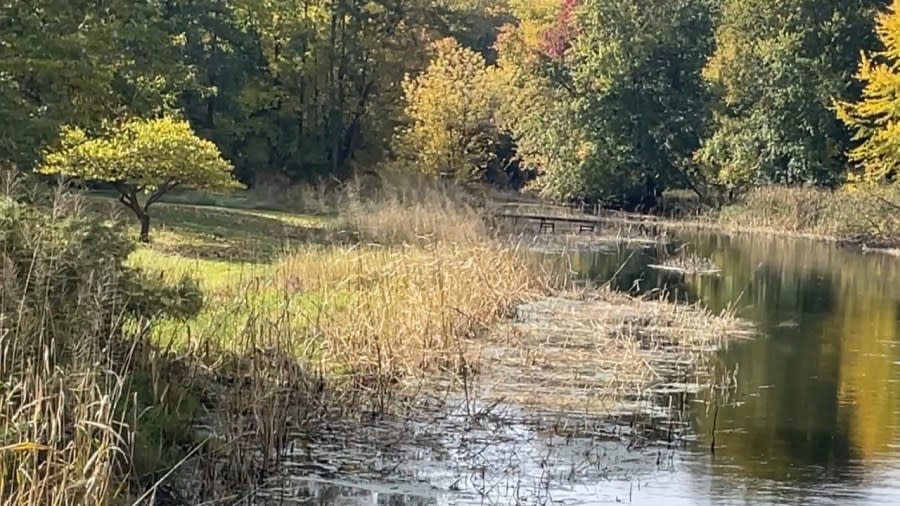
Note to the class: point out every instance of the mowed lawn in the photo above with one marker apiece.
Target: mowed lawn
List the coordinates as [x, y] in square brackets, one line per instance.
[236, 256]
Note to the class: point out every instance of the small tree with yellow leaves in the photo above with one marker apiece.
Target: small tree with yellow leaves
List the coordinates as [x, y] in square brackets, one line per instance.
[141, 157]
[450, 107]
[876, 116]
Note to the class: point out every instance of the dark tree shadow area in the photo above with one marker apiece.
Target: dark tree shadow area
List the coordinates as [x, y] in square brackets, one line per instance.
[237, 235]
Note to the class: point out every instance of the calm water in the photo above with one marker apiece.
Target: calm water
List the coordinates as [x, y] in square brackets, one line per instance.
[815, 419]
[817, 416]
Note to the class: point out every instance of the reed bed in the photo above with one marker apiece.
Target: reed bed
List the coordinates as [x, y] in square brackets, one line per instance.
[862, 214]
[64, 400]
[408, 309]
[340, 331]
[121, 392]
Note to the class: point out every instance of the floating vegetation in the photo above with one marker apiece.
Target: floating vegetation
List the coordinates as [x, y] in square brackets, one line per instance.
[440, 454]
[787, 324]
[606, 243]
[568, 394]
[687, 264]
[605, 352]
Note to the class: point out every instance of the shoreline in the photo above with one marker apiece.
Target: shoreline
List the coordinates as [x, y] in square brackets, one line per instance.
[886, 245]
[319, 329]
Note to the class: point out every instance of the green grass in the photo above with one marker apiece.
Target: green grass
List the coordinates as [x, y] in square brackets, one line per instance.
[236, 314]
[233, 253]
[272, 196]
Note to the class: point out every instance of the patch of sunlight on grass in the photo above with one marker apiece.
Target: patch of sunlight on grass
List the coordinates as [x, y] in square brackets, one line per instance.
[220, 233]
[314, 220]
[237, 322]
[234, 234]
[215, 276]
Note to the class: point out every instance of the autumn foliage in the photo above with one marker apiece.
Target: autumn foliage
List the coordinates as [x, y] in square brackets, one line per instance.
[450, 106]
[876, 116]
[558, 38]
[141, 157]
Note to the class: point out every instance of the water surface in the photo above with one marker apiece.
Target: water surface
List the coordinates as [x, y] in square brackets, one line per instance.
[818, 401]
[814, 416]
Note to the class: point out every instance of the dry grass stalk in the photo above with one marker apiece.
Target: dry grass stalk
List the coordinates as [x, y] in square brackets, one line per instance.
[63, 438]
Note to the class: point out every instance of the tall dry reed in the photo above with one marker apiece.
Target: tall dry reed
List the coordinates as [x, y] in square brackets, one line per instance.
[64, 438]
[867, 213]
[413, 212]
[410, 299]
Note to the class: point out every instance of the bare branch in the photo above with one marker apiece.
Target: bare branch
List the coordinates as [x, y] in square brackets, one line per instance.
[128, 198]
[162, 190]
[888, 202]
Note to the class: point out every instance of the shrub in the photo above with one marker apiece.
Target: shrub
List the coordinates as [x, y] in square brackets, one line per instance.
[53, 259]
[67, 415]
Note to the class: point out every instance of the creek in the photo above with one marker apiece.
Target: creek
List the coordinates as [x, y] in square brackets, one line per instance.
[813, 415]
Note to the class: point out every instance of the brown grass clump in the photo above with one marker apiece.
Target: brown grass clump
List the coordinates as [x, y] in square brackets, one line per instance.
[417, 223]
[64, 438]
[395, 312]
[417, 212]
[865, 214]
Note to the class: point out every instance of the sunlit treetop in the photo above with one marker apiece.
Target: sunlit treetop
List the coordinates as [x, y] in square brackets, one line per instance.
[876, 116]
[144, 153]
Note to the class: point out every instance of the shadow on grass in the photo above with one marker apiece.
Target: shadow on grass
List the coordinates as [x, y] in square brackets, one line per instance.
[215, 233]
[251, 401]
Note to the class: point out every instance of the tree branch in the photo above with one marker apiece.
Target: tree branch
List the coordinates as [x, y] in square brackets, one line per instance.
[888, 202]
[162, 190]
[128, 198]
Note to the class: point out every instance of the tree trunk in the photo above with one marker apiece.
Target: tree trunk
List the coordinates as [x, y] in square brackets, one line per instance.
[145, 227]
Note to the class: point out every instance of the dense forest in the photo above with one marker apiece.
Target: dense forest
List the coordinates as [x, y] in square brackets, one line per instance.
[613, 101]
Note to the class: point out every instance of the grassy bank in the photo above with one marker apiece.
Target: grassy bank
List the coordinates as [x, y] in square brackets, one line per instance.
[121, 389]
[861, 215]
[176, 370]
[864, 215]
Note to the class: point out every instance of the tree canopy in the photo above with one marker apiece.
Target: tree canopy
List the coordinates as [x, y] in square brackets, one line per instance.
[80, 63]
[876, 116]
[776, 69]
[614, 101]
[149, 157]
[450, 108]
